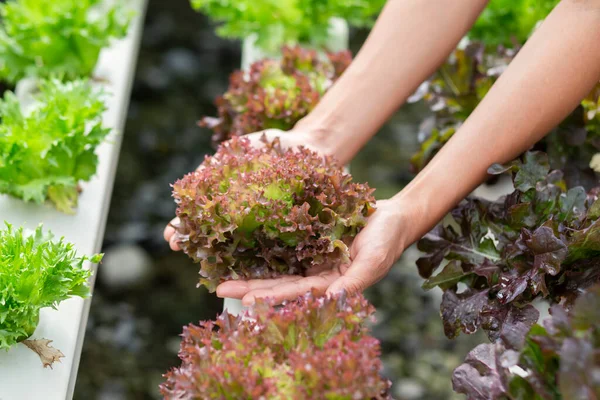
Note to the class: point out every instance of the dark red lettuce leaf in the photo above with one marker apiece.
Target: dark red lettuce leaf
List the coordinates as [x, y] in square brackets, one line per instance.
[540, 241]
[558, 361]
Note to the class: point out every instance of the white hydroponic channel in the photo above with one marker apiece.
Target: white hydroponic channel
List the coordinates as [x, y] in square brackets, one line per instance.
[22, 376]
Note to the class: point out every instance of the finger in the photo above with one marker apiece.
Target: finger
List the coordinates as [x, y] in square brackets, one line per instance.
[238, 289]
[291, 290]
[168, 232]
[256, 138]
[367, 268]
[170, 229]
[174, 244]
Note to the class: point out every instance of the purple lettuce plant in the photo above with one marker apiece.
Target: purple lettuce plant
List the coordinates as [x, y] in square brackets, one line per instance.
[540, 241]
[454, 92]
[461, 83]
[558, 360]
[496, 258]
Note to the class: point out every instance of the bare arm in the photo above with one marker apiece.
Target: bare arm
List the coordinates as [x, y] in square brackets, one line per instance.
[410, 40]
[407, 44]
[556, 68]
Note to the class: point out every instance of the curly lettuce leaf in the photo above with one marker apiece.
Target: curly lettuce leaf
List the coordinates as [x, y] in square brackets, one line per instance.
[261, 213]
[311, 348]
[45, 152]
[58, 37]
[36, 271]
[275, 94]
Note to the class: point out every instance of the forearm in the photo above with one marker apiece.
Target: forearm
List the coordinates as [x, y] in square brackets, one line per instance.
[556, 68]
[407, 44]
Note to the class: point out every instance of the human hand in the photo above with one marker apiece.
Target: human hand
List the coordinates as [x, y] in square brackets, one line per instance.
[373, 253]
[291, 139]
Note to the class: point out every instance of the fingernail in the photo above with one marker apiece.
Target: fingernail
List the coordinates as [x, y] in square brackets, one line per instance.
[249, 301]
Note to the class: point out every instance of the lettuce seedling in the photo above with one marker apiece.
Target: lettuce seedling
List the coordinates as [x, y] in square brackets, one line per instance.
[312, 348]
[35, 272]
[558, 360]
[58, 37]
[260, 213]
[46, 151]
[277, 23]
[275, 94]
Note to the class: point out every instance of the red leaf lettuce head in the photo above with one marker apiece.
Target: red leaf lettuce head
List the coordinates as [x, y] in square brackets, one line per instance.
[260, 213]
[311, 348]
[275, 93]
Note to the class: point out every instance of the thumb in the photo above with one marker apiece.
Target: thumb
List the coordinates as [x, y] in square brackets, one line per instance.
[367, 268]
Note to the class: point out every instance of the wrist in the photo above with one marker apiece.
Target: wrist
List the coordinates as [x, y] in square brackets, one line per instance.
[412, 216]
[324, 134]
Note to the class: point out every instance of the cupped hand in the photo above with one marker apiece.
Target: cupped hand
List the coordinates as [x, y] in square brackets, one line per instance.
[289, 139]
[372, 254]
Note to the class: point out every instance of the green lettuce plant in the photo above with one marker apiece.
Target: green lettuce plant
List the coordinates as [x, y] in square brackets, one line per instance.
[260, 213]
[312, 348]
[275, 94]
[56, 38]
[36, 271]
[507, 22]
[280, 22]
[47, 150]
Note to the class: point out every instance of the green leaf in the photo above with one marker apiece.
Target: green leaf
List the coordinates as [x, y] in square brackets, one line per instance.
[280, 22]
[46, 152]
[36, 271]
[56, 38]
[533, 169]
[64, 198]
[585, 243]
[448, 277]
[503, 22]
[572, 204]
